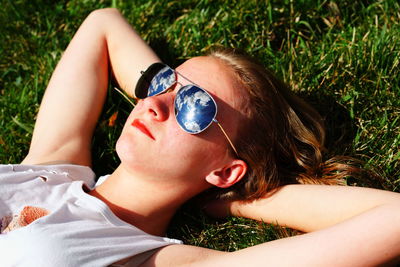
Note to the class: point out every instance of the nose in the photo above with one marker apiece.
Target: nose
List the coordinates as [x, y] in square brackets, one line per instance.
[156, 107]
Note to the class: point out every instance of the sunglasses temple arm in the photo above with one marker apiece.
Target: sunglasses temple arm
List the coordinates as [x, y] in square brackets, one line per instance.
[124, 95]
[227, 137]
[187, 79]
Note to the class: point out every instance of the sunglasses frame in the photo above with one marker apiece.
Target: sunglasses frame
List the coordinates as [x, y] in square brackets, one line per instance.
[144, 82]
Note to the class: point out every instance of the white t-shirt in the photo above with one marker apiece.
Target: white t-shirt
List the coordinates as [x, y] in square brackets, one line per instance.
[46, 219]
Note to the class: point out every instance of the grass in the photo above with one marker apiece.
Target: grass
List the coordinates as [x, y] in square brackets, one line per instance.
[341, 56]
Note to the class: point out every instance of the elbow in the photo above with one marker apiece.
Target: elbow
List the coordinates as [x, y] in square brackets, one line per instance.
[108, 10]
[103, 19]
[396, 207]
[394, 201]
[104, 13]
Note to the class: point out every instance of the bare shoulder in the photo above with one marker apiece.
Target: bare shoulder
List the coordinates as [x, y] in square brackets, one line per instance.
[180, 255]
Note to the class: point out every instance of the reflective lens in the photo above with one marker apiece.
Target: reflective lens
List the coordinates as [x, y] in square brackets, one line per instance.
[163, 80]
[195, 109]
[145, 81]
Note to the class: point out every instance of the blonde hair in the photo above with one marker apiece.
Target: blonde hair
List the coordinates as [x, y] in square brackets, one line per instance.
[282, 137]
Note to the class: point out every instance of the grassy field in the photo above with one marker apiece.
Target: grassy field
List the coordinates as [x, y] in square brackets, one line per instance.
[341, 56]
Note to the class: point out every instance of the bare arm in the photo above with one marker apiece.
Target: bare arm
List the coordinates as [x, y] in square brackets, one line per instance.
[75, 94]
[313, 207]
[371, 238]
[351, 227]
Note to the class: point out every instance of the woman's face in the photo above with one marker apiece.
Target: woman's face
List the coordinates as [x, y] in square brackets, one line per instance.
[153, 144]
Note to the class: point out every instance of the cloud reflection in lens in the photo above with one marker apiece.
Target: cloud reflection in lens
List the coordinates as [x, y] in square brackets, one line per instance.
[195, 109]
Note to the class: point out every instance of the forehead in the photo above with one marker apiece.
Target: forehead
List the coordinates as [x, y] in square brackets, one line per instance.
[212, 75]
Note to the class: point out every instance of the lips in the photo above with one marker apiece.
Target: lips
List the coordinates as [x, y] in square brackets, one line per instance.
[139, 125]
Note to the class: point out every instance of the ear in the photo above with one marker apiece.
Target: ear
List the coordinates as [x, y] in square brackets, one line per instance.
[228, 175]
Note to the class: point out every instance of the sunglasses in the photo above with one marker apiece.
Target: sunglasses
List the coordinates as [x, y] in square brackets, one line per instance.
[195, 108]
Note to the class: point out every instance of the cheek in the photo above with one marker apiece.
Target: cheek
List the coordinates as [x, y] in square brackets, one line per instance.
[194, 150]
[178, 143]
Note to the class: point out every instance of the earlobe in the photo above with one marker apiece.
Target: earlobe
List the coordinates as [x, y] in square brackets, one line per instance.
[228, 175]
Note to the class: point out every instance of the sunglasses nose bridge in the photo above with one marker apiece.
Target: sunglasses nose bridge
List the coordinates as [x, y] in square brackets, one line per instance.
[178, 83]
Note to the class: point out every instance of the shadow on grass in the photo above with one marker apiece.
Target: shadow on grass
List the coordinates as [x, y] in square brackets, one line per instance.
[340, 128]
[166, 52]
[341, 131]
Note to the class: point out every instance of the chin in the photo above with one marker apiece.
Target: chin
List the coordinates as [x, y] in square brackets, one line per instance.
[131, 155]
[125, 150]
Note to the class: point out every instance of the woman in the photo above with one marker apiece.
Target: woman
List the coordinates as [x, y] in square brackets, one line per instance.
[167, 158]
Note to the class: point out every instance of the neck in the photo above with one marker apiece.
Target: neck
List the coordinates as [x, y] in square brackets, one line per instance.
[148, 204]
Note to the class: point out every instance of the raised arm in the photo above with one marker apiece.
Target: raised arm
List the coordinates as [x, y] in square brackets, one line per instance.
[371, 238]
[350, 226]
[75, 94]
[313, 207]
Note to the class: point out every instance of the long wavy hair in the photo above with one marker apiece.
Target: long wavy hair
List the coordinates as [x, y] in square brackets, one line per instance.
[282, 137]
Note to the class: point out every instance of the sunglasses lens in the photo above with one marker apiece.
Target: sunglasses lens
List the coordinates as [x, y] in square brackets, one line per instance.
[195, 109]
[155, 80]
[163, 80]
